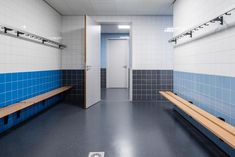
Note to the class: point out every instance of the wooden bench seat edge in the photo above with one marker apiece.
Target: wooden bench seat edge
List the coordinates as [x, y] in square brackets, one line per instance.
[212, 118]
[224, 135]
[29, 102]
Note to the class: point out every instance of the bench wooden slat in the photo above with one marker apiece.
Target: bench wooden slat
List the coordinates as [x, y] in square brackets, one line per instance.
[226, 136]
[212, 118]
[12, 109]
[29, 102]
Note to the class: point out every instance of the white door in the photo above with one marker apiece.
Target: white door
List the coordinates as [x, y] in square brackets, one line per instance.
[92, 62]
[117, 63]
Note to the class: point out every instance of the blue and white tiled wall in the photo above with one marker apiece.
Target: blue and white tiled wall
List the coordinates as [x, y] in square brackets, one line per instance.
[73, 58]
[15, 87]
[213, 93]
[26, 68]
[204, 65]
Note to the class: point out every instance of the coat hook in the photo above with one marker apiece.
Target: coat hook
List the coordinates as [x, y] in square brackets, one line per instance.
[19, 33]
[7, 29]
[190, 34]
[219, 19]
[28, 36]
[174, 40]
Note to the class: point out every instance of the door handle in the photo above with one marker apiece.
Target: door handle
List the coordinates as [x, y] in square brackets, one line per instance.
[125, 66]
[88, 67]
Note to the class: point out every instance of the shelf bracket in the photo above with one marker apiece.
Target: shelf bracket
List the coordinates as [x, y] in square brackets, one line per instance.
[220, 19]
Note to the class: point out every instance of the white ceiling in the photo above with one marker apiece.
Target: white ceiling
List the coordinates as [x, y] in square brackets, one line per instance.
[112, 28]
[112, 7]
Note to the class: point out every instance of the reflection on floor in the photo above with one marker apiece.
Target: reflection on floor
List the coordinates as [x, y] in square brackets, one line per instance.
[115, 126]
[115, 94]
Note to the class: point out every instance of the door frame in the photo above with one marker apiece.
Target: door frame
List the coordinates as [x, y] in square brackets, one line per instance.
[128, 61]
[85, 56]
[129, 22]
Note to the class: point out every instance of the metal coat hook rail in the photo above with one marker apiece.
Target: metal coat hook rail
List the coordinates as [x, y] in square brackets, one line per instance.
[17, 33]
[190, 32]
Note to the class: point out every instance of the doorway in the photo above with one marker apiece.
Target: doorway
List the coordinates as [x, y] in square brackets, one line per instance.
[116, 60]
[117, 63]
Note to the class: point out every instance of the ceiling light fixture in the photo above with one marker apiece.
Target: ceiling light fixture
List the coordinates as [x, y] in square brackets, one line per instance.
[124, 26]
[124, 37]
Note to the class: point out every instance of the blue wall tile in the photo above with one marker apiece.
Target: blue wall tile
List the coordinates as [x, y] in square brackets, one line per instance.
[15, 87]
[215, 94]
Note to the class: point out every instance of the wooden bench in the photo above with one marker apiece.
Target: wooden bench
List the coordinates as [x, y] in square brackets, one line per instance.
[221, 129]
[29, 102]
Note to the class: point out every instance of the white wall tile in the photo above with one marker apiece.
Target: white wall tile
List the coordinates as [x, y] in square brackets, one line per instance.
[212, 49]
[36, 17]
[73, 37]
[151, 49]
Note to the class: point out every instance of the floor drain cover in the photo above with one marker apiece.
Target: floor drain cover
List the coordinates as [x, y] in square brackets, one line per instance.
[96, 154]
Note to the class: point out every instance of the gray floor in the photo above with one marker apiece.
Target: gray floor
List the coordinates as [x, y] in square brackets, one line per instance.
[116, 126]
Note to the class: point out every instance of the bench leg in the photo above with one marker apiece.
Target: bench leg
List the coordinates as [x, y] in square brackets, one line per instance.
[18, 114]
[6, 120]
[43, 102]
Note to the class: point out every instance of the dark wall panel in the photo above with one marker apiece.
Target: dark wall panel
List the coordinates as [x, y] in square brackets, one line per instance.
[103, 78]
[148, 83]
[74, 78]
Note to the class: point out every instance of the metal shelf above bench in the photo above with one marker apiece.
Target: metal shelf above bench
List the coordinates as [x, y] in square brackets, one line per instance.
[20, 34]
[190, 31]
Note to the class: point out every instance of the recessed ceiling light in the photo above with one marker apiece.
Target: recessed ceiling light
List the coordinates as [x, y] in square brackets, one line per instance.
[124, 37]
[169, 29]
[124, 26]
